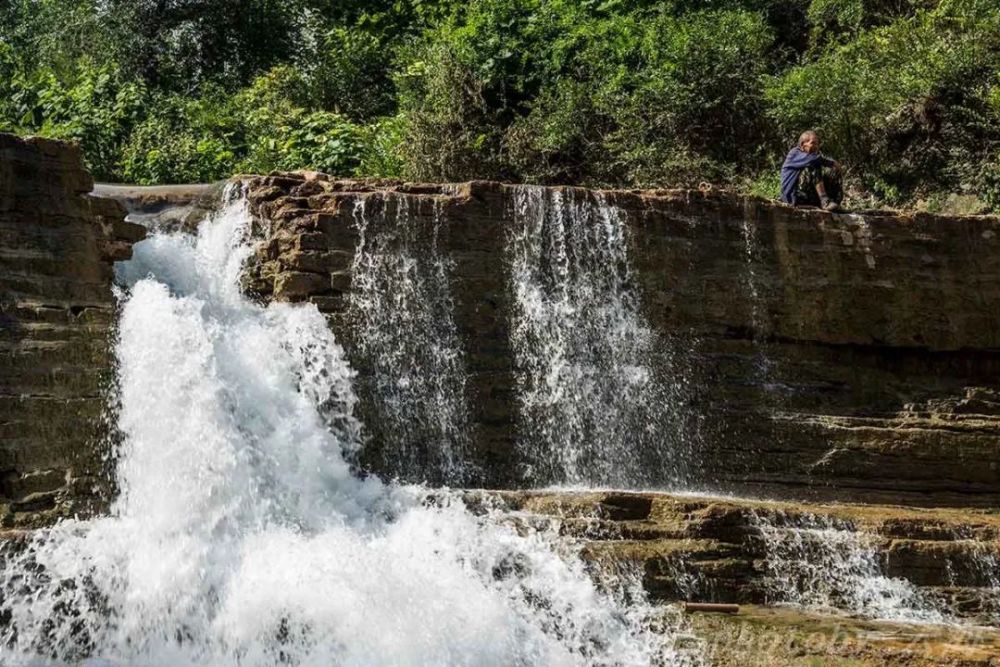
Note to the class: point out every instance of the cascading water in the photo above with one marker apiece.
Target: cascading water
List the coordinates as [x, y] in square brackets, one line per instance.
[403, 328]
[758, 322]
[978, 564]
[593, 411]
[241, 535]
[818, 562]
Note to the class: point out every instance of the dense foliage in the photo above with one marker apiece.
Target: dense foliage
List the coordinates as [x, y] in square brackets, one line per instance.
[906, 93]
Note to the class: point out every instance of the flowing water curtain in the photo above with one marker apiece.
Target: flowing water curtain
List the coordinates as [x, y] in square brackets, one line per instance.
[242, 536]
[759, 326]
[978, 562]
[820, 562]
[403, 335]
[593, 410]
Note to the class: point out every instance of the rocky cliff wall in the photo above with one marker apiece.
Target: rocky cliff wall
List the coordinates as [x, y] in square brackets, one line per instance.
[821, 355]
[57, 247]
[837, 355]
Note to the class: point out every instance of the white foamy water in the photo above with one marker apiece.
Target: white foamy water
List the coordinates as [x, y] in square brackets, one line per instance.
[820, 563]
[593, 411]
[241, 535]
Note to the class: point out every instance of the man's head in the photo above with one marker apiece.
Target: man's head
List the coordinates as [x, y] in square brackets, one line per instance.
[809, 141]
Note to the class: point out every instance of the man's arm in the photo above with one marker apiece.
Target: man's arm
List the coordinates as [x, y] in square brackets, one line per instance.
[828, 162]
[798, 159]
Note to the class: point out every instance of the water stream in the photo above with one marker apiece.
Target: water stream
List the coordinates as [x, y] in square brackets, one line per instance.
[818, 562]
[759, 326]
[402, 320]
[593, 411]
[242, 535]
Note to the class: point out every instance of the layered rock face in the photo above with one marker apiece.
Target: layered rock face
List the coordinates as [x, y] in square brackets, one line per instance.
[839, 355]
[57, 247]
[821, 356]
[787, 565]
[767, 552]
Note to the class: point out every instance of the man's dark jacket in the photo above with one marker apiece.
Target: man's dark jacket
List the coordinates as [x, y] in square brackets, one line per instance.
[797, 160]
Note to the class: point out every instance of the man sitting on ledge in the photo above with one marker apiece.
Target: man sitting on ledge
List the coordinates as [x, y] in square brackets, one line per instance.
[808, 178]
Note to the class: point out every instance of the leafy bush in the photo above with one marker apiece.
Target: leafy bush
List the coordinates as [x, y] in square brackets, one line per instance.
[767, 184]
[98, 109]
[693, 110]
[176, 146]
[280, 134]
[351, 75]
[383, 146]
[259, 129]
[450, 129]
[299, 139]
[598, 92]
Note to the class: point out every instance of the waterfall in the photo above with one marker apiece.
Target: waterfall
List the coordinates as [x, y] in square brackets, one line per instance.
[241, 535]
[403, 328]
[593, 411]
[819, 562]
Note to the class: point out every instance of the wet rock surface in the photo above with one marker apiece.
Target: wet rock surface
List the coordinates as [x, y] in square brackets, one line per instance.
[164, 208]
[57, 247]
[705, 549]
[309, 230]
[822, 356]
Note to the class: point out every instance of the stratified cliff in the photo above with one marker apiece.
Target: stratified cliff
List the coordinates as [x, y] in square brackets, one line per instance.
[837, 356]
[819, 355]
[57, 247]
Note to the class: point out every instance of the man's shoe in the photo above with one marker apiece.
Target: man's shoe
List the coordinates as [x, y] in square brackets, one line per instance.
[830, 205]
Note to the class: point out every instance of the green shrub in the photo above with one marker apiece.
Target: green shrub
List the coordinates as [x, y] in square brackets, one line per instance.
[169, 148]
[297, 139]
[767, 184]
[382, 148]
[259, 129]
[450, 130]
[842, 20]
[836, 15]
[280, 134]
[98, 109]
[351, 76]
[693, 110]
